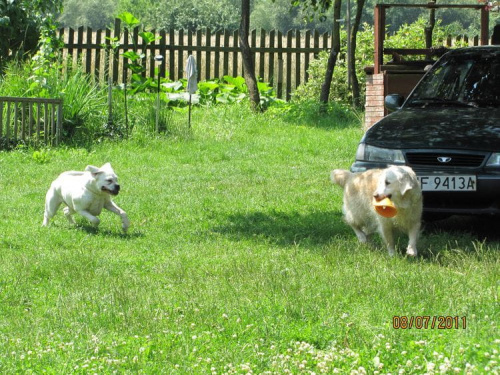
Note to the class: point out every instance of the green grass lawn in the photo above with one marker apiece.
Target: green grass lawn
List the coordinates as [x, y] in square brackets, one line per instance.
[237, 261]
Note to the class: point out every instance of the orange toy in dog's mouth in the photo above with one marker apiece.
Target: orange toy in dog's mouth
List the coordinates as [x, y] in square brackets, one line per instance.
[385, 207]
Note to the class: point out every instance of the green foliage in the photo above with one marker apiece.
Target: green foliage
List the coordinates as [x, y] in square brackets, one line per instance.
[179, 14]
[129, 19]
[408, 36]
[83, 13]
[41, 156]
[21, 24]
[412, 35]
[339, 91]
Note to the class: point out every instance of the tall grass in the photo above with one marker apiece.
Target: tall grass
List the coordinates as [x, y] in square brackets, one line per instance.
[237, 261]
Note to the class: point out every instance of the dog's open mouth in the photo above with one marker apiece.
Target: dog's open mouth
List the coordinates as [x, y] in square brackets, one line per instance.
[115, 191]
[379, 197]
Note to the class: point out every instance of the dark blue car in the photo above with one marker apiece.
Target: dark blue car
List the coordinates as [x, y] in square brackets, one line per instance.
[448, 131]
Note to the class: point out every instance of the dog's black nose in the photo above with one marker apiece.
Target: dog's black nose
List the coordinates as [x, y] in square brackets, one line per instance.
[117, 188]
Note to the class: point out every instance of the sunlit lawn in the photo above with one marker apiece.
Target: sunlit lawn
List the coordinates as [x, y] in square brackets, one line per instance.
[237, 261]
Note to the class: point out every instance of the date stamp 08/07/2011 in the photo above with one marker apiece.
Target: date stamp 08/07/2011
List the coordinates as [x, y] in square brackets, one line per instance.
[429, 322]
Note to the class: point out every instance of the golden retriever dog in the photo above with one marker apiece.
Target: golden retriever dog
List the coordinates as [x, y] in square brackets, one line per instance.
[400, 184]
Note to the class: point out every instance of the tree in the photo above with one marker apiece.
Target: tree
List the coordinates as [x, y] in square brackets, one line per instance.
[322, 6]
[332, 59]
[247, 56]
[352, 61]
[21, 22]
[83, 13]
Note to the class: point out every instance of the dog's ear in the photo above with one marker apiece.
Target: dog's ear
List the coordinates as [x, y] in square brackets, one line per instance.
[409, 180]
[94, 170]
[106, 166]
[406, 185]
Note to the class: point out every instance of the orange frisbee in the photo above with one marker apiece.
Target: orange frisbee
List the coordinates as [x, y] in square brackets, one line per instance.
[385, 207]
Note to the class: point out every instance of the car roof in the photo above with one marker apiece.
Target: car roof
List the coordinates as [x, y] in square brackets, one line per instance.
[475, 49]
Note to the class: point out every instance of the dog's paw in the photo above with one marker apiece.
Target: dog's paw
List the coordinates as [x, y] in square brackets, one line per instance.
[125, 223]
[95, 222]
[411, 251]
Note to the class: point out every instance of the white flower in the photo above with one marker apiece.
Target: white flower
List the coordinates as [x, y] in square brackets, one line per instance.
[377, 363]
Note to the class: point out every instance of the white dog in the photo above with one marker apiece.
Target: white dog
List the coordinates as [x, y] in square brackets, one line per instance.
[397, 183]
[85, 192]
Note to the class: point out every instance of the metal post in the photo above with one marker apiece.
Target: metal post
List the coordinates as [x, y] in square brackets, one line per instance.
[158, 59]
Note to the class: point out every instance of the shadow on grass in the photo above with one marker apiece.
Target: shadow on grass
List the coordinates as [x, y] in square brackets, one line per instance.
[286, 228]
[482, 228]
[108, 233]
[335, 116]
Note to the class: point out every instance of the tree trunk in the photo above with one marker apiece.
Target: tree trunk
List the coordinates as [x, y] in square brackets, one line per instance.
[356, 101]
[332, 59]
[247, 56]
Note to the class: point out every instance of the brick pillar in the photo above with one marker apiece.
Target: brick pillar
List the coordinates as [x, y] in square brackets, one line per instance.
[374, 106]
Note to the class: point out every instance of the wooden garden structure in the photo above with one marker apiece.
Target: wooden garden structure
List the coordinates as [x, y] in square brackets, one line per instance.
[399, 76]
[30, 121]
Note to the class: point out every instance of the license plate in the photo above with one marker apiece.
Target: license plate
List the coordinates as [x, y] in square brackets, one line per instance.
[447, 183]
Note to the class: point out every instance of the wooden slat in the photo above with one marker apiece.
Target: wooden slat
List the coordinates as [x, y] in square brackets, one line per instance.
[71, 39]
[180, 57]
[171, 58]
[23, 119]
[46, 127]
[163, 51]
[7, 124]
[116, 51]
[108, 56]
[226, 53]
[307, 44]
[16, 119]
[30, 120]
[79, 47]
[88, 52]
[280, 65]
[38, 121]
[208, 56]
[124, 60]
[272, 37]
[288, 87]
[98, 51]
[262, 43]
[236, 42]
[298, 65]
[198, 54]
[218, 36]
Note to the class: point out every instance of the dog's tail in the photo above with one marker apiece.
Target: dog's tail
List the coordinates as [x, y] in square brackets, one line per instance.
[340, 176]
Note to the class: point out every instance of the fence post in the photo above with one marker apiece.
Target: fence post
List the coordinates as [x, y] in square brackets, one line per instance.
[116, 51]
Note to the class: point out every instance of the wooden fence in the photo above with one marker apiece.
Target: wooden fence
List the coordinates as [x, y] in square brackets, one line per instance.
[30, 120]
[280, 59]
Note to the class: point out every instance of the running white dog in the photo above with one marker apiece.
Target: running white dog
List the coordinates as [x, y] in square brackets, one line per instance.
[397, 183]
[85, 192]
